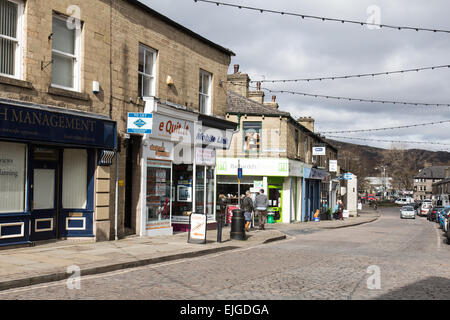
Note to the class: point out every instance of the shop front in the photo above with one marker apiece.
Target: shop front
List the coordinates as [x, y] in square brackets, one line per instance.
[48, 158]
[312, 195]
[279, 178]
[179, 160]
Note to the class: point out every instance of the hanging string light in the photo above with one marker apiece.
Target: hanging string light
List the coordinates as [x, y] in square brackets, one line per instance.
[355, 75]
[419, 104]
[305, 16]
[391, 141]
[387, 128]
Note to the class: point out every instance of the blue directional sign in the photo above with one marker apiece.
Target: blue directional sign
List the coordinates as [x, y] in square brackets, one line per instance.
[347, 176]
[239, 174]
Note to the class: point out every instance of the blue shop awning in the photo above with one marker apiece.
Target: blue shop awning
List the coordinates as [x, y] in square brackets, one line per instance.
[32, 122]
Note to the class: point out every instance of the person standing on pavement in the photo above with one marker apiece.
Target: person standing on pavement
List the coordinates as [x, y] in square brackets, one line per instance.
[340, 210]
[261, 203]
[247, 206]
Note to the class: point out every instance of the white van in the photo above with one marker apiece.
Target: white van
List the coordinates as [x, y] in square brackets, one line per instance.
[404, 201]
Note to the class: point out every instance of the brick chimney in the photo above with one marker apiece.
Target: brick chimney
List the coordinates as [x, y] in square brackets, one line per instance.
[273, 103]
[238, 82]
[257, 95]
[307, 122]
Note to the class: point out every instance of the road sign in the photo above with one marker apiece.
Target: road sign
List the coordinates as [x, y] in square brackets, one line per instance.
[239, 173]
[348, 176]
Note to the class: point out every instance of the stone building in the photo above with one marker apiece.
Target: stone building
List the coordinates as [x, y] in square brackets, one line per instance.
[276, 154]
[69, 76]
[56, 129]
[423, 181]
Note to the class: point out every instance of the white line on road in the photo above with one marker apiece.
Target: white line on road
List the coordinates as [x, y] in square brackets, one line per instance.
[438, 238]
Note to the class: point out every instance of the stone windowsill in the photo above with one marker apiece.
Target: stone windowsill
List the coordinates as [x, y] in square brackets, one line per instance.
[15, 82]
[68, 93]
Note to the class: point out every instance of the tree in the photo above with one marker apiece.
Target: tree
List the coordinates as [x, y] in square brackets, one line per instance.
[401, 167]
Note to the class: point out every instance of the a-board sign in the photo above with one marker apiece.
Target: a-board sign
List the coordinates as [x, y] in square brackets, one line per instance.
[197, 230]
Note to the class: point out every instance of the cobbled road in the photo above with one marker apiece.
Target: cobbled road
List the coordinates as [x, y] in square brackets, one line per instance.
[411, 257]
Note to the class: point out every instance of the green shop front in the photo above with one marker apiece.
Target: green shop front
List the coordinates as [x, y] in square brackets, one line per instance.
[48, 158]
[281, 180]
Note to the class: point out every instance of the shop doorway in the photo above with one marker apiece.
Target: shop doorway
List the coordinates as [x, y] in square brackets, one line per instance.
[44, 193]
[131, 165]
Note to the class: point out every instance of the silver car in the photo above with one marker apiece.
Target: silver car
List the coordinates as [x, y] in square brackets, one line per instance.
[407, 212]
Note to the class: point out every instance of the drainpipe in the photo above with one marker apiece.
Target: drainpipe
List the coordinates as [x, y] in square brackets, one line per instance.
[116, 196]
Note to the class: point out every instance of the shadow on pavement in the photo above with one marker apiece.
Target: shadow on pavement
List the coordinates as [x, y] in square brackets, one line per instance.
[432, 288]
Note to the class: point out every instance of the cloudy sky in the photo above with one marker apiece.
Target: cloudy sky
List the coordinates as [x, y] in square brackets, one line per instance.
[274, 46]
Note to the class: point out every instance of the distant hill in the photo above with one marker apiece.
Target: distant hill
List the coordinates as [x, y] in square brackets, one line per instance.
[362, 160]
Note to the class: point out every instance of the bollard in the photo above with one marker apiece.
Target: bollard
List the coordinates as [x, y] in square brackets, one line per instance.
[238, 225]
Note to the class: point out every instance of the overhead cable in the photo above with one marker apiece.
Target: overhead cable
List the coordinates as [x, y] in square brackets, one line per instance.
[306, 16]
[354, 75]
[386, 128]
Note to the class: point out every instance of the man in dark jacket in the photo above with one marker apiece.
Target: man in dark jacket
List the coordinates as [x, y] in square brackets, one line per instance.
[261, 203]
[247, 206]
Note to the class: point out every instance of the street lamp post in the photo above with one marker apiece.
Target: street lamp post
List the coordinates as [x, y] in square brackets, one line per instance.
[383, 177]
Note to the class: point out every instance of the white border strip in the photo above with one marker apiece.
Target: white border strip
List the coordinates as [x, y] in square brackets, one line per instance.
[45, 229]
[22, 226]
[71, 218]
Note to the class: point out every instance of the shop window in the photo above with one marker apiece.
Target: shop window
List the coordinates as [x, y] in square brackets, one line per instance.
[12, 177]
[252, 136]
[158, 193]
[146, 71]
[74, 191]
[182, 181]
[200, 189]
[11, 16]
[204, 92]
[66, 53]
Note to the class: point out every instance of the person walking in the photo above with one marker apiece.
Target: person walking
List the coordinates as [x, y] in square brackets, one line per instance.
[247, 206]
[340, 210]
[261, 203]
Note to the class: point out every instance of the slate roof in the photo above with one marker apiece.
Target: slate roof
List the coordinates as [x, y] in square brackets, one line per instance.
[434, 172]
[143, 6]
[240, 104]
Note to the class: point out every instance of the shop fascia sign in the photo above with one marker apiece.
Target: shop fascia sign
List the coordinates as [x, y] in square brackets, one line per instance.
[172, 129]
[159, 149]
[253, 166]
[319, 151]
[213, 137]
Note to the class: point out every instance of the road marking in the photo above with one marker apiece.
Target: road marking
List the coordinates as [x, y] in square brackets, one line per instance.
[438, 238]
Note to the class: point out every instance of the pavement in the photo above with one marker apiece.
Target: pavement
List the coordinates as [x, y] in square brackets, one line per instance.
[48, 262]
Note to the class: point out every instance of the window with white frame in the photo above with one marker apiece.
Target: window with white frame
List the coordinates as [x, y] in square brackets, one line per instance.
[146, 71]
[66, 53]
[204, 92]
[11, 17]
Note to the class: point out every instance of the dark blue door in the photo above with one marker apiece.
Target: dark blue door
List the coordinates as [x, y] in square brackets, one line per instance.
[43, 196]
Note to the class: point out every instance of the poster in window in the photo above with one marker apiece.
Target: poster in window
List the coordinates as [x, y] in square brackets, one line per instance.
[251, 141]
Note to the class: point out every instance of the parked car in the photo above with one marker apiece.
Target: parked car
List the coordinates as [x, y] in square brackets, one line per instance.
[441, 216]
[426, 205]
[431, 215]
[407, 212]
[404, 201]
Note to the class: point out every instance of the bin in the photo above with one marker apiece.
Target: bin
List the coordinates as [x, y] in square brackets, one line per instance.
[238, 225]
[270, 218]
